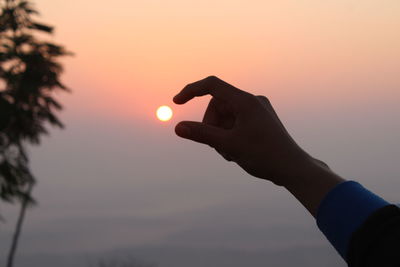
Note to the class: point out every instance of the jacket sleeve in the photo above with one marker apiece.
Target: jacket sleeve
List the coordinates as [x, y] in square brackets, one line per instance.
[343, 215]
[377, 241]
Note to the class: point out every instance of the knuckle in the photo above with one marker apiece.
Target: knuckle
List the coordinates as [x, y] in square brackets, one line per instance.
[251, 100]
[244, 101]
[202, 135]
[254, 105]
[188, 85]
[264, 101]
[212, 78]
[263, 98]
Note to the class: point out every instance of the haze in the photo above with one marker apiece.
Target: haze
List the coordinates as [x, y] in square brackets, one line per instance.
[118, 182]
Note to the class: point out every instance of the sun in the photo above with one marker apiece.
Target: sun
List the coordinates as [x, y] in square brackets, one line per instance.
[164, 113]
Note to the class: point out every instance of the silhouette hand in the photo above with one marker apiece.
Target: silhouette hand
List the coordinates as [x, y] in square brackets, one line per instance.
[243, 128]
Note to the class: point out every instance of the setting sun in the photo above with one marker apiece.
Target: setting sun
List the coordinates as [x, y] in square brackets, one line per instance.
[164, 113]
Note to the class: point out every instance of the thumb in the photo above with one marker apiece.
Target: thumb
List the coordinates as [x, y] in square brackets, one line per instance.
[201, 132]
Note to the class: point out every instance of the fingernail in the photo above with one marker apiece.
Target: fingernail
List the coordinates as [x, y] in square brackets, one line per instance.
[175, 98]
[182, 130]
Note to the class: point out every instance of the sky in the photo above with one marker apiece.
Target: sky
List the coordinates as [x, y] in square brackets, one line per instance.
[119, 182]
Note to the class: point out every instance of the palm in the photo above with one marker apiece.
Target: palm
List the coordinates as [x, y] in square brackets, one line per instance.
[219, 114]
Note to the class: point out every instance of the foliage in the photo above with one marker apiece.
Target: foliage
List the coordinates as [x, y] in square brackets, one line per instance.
[29, 77]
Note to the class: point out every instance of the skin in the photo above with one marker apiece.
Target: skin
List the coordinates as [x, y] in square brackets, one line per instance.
[245, 129]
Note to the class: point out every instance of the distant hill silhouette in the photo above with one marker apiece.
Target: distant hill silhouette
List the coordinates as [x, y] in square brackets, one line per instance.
[196, 257]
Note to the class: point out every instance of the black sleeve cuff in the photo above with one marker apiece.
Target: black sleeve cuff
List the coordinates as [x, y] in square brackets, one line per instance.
[377, 242]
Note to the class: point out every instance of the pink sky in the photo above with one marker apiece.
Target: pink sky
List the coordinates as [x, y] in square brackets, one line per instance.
[331, 69]
[132, 56]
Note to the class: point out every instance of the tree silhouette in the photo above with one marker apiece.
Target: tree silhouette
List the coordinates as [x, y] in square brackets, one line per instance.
[29, 77]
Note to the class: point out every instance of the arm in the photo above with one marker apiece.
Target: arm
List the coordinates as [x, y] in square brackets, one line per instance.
[245, 129]
[376, 242]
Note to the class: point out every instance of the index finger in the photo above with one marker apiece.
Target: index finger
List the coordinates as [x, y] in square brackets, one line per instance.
[211, 85]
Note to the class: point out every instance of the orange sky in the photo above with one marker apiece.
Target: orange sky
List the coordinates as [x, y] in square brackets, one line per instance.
[331, 69]
[132, 56]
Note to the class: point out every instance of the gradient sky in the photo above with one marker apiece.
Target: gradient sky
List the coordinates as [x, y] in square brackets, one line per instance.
[118, 179]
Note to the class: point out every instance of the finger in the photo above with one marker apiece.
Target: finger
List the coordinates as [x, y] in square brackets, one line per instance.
[211, 115]
[226, 156]
[202, 133]
[210, 85]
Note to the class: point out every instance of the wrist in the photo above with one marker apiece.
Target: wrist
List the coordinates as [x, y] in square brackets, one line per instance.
[298, 165]
[310, 181]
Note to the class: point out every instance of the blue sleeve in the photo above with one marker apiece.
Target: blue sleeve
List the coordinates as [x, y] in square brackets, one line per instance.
[343, 210]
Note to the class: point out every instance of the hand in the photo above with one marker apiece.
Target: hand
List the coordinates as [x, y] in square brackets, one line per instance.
[243, 128]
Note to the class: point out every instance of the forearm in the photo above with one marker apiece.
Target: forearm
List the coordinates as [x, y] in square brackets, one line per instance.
[310, 182]
[340, 207]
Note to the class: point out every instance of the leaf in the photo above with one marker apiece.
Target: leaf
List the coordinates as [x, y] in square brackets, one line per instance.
[41, 27]
[27, 7]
